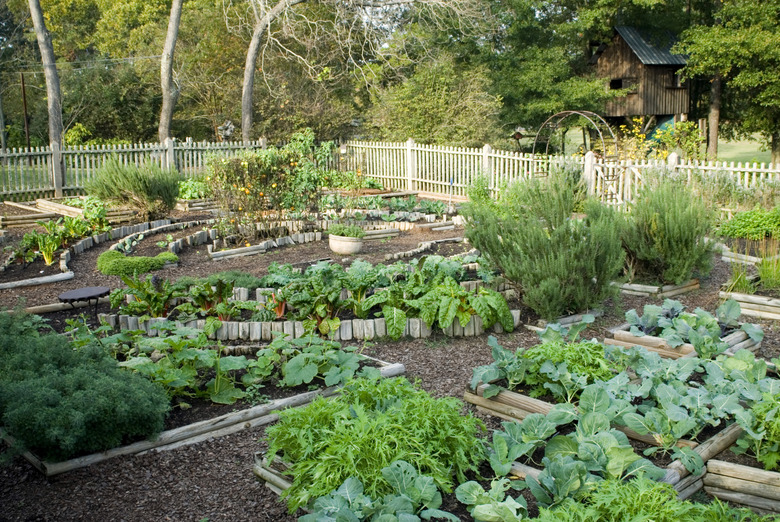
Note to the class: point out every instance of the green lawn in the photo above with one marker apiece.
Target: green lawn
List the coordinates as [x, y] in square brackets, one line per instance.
[745, 151]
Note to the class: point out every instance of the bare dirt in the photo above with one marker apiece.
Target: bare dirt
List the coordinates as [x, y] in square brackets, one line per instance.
[213, 480]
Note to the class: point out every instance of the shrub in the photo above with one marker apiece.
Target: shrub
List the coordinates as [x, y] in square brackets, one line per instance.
[665, 234]
[148, 188]
[366, 428]
[115, 263]
[59, 402]
[560, 264]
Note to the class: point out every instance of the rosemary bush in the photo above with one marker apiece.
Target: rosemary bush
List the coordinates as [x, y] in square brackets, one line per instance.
[665, 234]
[560, 264]
[148, 188]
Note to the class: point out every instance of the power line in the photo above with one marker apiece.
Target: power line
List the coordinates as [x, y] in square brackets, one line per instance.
[93, 63]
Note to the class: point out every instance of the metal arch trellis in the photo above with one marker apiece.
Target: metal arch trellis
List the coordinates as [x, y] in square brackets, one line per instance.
[605, 135]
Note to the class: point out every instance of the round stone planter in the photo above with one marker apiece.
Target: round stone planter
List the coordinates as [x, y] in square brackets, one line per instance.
[345, 245]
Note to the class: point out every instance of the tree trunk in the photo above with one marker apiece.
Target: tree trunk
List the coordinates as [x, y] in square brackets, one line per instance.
[776, 148]
[2, 123]
[169, 93]
[713, 121]
[248, 87]
[53, 95]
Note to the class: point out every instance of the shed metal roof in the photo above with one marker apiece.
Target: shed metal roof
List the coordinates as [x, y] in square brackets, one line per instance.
[651, 53]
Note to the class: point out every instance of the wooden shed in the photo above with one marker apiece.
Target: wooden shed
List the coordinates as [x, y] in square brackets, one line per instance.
[642, 63]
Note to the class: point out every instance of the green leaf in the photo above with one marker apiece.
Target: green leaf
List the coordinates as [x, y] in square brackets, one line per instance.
[227, 396]
[395, 321]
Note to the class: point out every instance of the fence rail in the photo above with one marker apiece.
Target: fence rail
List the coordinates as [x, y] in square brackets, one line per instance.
[432, 169]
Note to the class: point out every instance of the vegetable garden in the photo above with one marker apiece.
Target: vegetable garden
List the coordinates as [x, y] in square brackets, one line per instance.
[555, 428]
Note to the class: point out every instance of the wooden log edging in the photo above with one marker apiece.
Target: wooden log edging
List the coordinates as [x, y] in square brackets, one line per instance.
[349, 330]
[423, 247]
[658, 290]
[199, 431]
[755, 305]
[752, 487]
[514, 406]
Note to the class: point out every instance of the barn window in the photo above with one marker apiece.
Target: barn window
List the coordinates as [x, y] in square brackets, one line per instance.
[624, 83]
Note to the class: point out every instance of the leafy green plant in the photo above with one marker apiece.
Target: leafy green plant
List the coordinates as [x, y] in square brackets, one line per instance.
[293, 362]
[166, 242]
[96, 214]
[185, 367]
[366, 428]
[192, 188]
[756, 224]
[338, 229]
[700, 328]
[361, 277]
[151, 297]
[315, 297]
[665, 234]
[493, 505]
[641, 499]
[128, 244]
[761, 437]
[413, 497]
[147, 188]
[554, 367]
[48, 244]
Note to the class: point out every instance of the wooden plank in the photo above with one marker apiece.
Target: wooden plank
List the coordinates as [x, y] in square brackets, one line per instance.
[661, 351]
[751, 299]
[59, 208]
[752, 501]
[739, 485]
[730, 469]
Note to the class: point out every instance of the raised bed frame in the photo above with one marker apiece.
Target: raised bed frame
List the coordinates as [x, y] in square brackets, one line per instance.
[755, 488]
[661, 291]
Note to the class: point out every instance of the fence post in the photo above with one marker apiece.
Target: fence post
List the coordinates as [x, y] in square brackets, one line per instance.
[589, 172]
[170, 154]
[57, 172]
[487, 167]
[672, 160]
[411, 167]
[263, 143]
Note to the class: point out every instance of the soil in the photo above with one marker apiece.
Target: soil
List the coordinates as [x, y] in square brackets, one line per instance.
[213, 480]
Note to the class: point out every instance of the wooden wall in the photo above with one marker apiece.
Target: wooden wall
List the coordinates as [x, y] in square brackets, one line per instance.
[655, 93]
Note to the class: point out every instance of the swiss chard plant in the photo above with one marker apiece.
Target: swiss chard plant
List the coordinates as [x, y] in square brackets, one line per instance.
[153, 296]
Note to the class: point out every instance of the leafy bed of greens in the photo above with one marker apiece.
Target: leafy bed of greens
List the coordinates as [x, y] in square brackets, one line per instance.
[643, 392]
[186, 364]
[700, 328]
[365, 429]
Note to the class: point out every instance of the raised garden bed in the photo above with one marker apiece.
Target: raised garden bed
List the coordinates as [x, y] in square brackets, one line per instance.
[203, 430]
[59, 207]
[752, 487]
[755, 305]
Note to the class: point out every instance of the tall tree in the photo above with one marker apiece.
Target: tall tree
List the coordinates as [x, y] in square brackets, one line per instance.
[169, 93]
[742, 49]
[53, 95]
[369, 20]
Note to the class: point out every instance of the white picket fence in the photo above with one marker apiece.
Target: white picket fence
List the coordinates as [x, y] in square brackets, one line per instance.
[53, 171]
[445, 172]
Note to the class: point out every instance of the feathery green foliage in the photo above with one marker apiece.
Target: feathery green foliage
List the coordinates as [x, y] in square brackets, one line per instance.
[59, 402]
[371, 425]
[561, 265]
[148, 188]
[664, 235]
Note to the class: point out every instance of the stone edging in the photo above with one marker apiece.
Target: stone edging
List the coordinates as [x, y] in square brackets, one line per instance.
[78, 248]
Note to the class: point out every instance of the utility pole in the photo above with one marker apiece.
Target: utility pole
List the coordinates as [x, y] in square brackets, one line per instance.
[24, 104]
